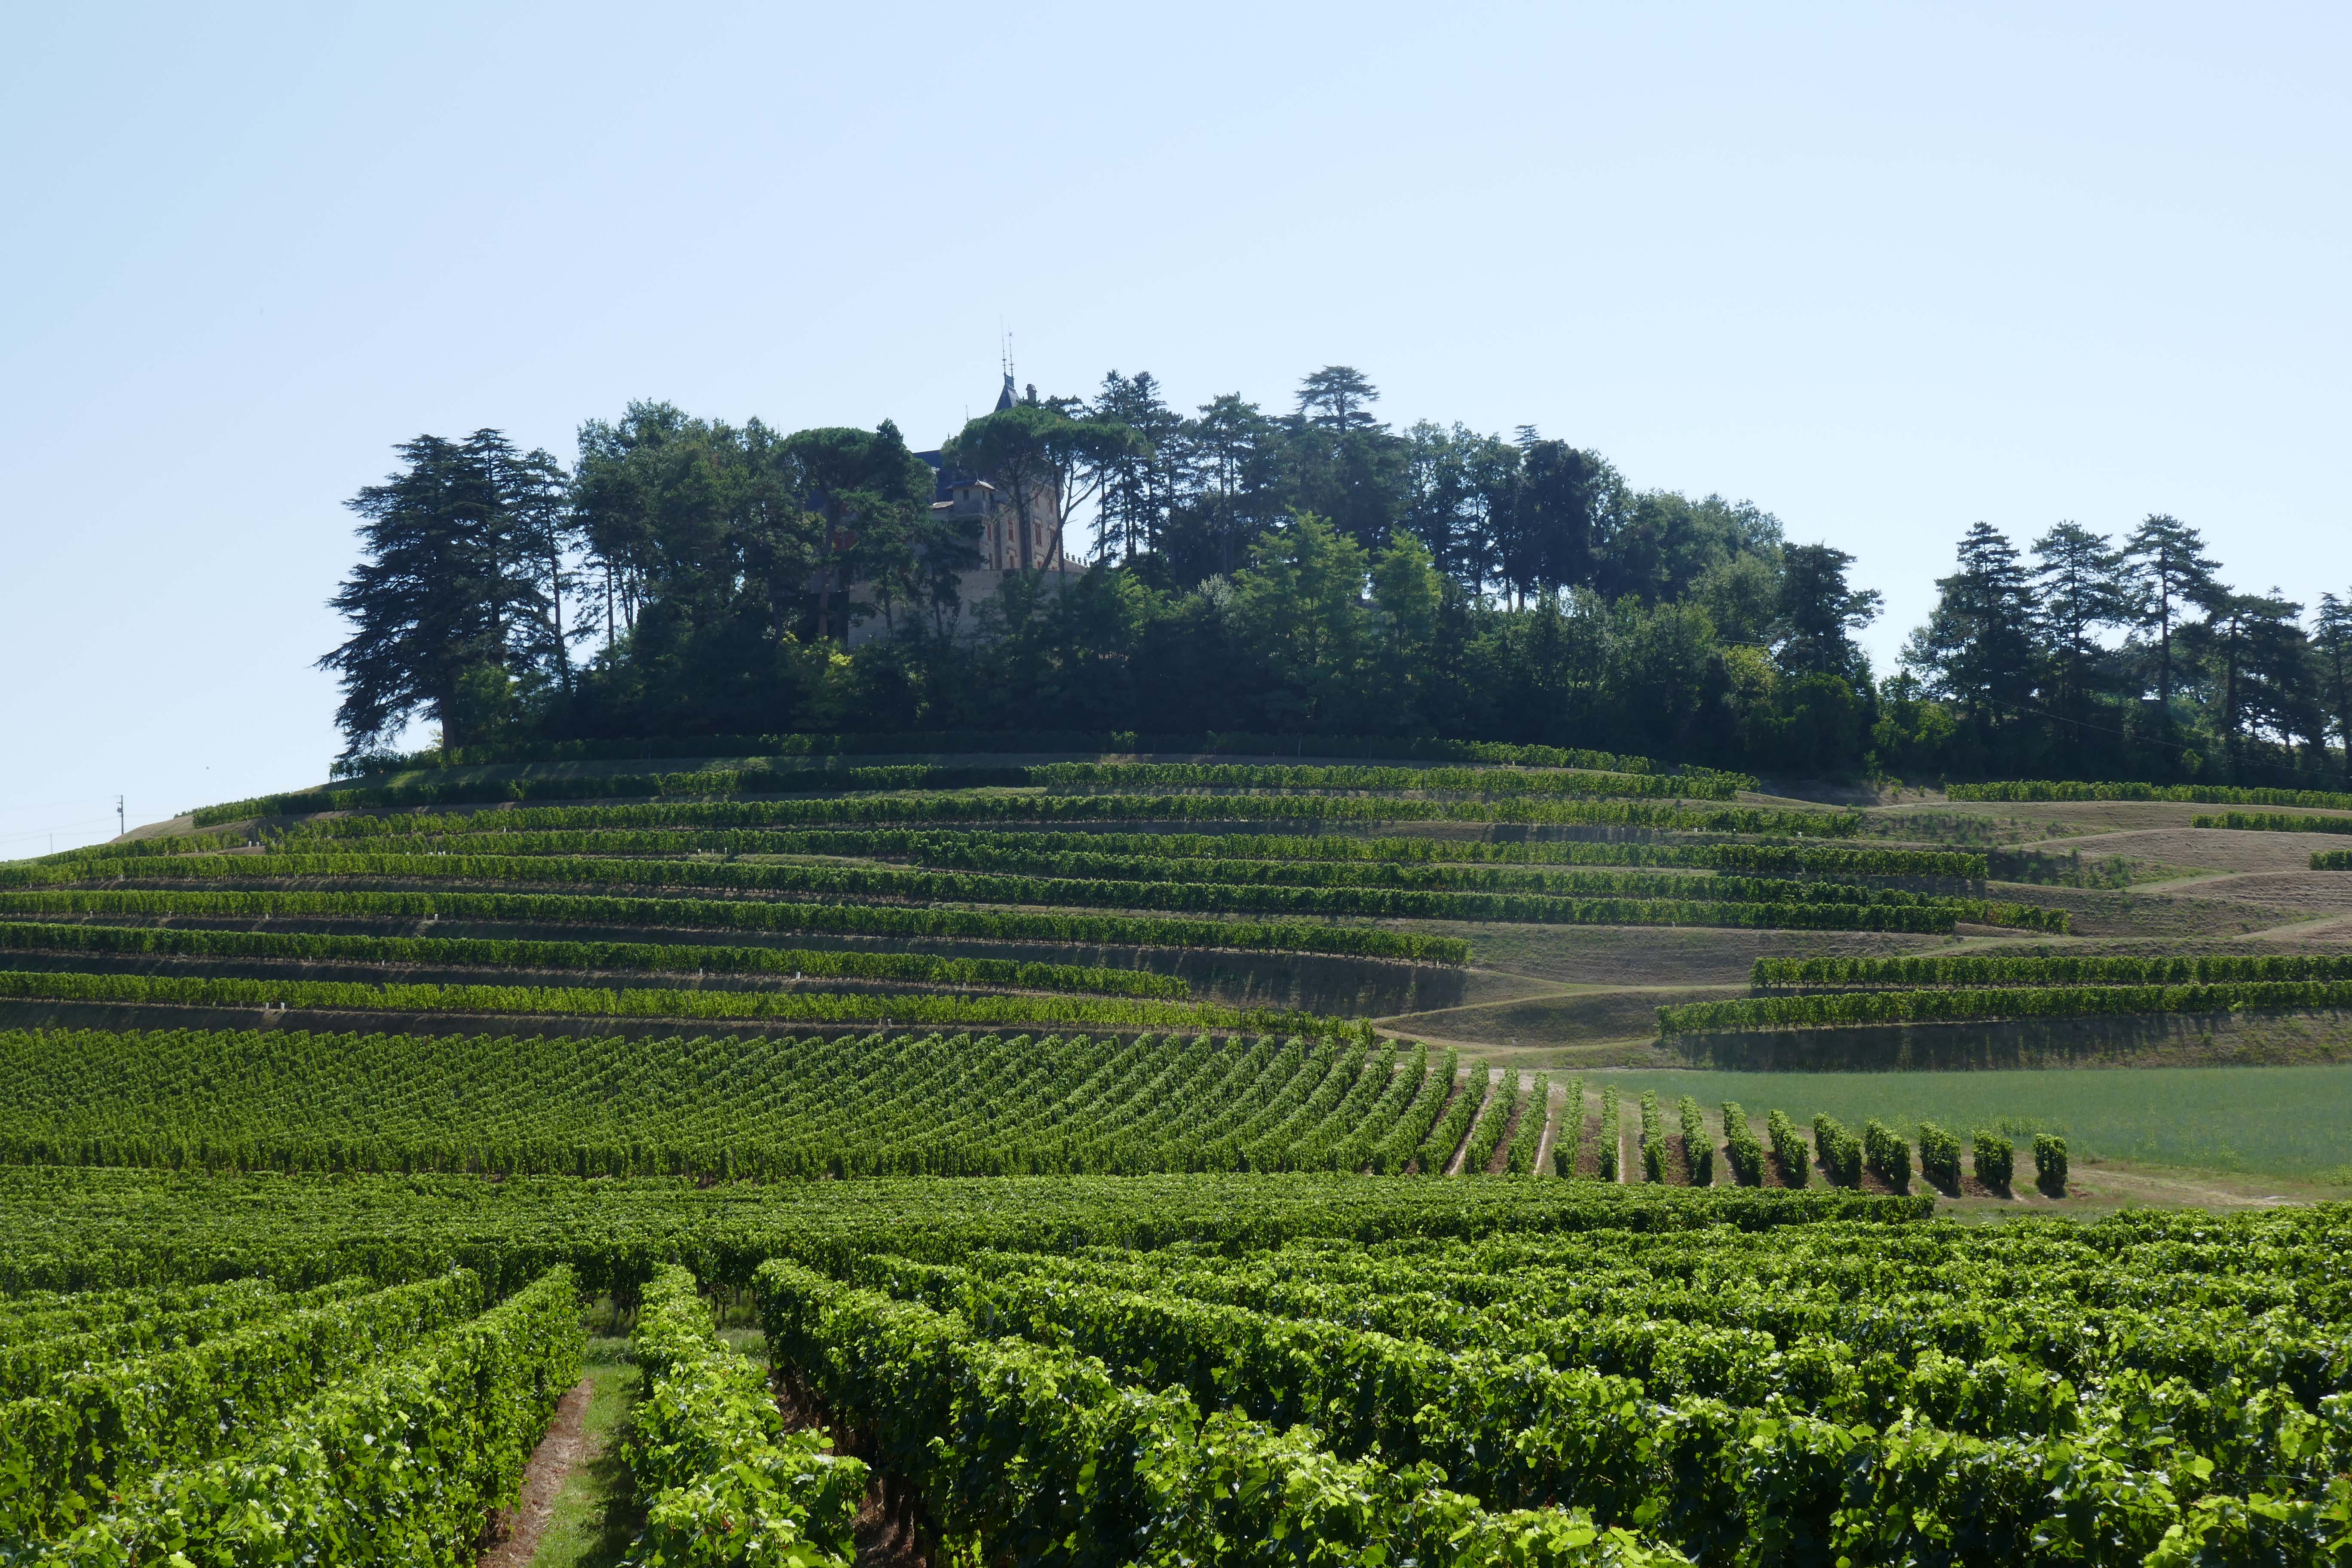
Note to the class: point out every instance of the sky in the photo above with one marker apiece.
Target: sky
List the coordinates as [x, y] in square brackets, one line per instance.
[1884, 271]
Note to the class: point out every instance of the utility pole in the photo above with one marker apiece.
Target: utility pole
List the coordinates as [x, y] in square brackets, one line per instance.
[119, 829]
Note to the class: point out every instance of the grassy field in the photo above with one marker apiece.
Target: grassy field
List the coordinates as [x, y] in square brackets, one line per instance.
[2293, 1122]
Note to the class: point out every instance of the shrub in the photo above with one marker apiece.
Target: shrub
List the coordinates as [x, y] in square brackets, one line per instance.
[1745, 1154]
[1840, 1152]
[1611, 1135]
[1939, 1157]
[1887, 1156]
[1654, 1138]
[1994, 1159]
[1796, 1160]
[1698, 1149]
[2050, 1164]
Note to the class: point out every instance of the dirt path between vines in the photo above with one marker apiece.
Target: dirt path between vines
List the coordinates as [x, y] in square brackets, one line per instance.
[561, 1451]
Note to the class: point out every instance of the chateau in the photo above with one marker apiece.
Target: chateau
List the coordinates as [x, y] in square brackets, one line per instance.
[963, 496]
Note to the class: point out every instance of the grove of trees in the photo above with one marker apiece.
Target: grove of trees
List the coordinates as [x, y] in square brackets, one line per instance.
[1308, 571]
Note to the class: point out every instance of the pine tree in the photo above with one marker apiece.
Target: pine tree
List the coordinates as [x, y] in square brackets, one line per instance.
[2080, 586]
[1338, 398]
[1139, 480]
[2267, 678]
[1228, 483]
[2331, 647]
[2167, 559]
[1977, 647]
[1343, 464]
[1817, 610]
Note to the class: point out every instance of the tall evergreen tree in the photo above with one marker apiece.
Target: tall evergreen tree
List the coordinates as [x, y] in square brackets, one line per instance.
[2166, 560]
[1817, 612]
[2266, 685]
[1344, 465]
[1338, 399]
[1046, 460]
[872, 494]
[2080, 587]
[434, 593]
[1229, 483]
[1435, 505]
[537, 538]
[2331, 649]
[1140, 478]
[1976, 648]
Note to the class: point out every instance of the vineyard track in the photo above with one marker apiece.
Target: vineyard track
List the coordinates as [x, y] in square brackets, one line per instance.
[1552, 1125]
[559, 1454]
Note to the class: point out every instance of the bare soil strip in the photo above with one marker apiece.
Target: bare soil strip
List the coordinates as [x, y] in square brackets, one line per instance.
[514, 1531]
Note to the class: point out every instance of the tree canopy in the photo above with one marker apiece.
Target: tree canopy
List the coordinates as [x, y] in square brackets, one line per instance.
[1308, 571]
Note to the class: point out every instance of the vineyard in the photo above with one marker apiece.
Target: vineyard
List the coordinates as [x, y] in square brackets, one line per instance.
[1115, 1370]
[995, 1160]
[853, 1105]
[950, 895]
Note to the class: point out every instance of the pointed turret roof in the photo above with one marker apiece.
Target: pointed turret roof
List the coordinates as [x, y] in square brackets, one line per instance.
[1004, 399]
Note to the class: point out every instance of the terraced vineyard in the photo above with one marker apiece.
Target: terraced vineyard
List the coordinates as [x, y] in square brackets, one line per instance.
[1137, 1162]
[425, 907]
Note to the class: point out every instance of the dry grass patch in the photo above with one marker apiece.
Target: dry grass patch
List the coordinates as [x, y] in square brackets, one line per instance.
[2205, 848]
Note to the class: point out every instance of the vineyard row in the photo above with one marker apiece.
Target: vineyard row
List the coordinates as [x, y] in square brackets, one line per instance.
[600, 1002]
[1051, 808]
[1817, 1010]
[555, 829]
[2275, 822]
[931, 776]
[2043, 968]
[1122, 742]
[744, 914]
[909, 968]
[1005, 855]
[1887, 909]
[2203, 795]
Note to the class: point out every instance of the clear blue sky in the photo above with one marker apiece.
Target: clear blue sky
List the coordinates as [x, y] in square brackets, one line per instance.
[1884, 270]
